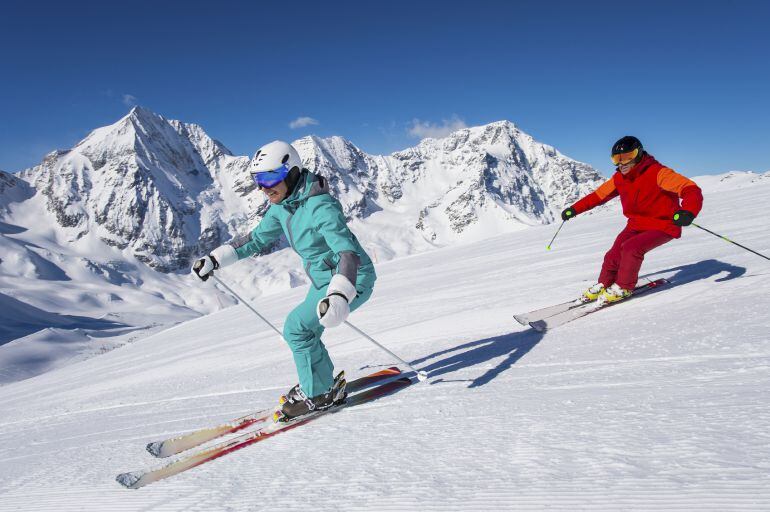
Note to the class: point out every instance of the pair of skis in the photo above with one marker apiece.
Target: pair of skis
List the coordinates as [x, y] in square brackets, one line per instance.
[361, 390]
[550, 317]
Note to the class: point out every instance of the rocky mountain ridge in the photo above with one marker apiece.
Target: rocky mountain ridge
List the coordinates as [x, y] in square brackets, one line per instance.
[164, 191]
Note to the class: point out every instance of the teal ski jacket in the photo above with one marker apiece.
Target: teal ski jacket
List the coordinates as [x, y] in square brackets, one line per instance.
[315, 227]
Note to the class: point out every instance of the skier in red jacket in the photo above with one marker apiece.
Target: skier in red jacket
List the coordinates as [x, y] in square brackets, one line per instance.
[650, 194]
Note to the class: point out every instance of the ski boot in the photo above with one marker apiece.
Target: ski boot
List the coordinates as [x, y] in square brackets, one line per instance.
[591, 294]
[612, 294]
[295, 403]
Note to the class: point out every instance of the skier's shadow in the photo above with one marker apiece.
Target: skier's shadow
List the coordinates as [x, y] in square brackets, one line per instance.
[517, 344]
[701, 270]
[514, 345]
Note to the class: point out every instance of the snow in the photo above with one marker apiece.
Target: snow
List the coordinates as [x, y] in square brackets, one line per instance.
[657, 404]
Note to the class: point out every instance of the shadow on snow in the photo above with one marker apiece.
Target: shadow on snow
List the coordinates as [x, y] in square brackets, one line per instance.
[20, 319]
[705, 269]
[516, 345]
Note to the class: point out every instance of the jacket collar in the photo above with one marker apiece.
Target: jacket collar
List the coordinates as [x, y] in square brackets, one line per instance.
[308, 185]
[645, 163]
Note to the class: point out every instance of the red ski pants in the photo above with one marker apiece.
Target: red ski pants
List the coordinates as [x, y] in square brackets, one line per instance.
[624, 259]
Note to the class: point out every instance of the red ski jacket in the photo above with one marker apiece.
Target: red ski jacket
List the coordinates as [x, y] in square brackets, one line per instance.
[650, 196]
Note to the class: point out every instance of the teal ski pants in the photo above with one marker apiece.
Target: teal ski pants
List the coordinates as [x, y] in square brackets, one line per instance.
[302, 332]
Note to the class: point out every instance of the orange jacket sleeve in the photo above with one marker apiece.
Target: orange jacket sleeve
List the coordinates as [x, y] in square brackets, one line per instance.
[685, 188]
[599, 196]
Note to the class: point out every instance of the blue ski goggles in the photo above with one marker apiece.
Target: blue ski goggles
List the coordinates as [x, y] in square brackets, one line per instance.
[269, 179]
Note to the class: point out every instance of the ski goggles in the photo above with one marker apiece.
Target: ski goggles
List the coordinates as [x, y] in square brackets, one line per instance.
[269, 179]
[625, 158]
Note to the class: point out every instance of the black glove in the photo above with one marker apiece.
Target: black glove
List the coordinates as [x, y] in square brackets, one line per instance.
[683, 218]
[205, 267]
[568, 213]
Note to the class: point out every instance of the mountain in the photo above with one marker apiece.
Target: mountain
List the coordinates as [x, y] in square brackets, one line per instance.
[163, 191]
[140, 185]
[487, 178]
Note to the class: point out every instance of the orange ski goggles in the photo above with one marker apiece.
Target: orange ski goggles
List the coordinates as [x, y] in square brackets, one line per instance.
[625, 158]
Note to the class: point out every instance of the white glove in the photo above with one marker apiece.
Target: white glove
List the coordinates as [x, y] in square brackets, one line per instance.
[334, 309]
[220, 257]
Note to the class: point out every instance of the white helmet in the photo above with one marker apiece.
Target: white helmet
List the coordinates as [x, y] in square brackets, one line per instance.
[273, 156]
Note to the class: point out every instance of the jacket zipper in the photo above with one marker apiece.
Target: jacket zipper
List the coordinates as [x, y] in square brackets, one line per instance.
[288, 229]
[291, 243]
[307, 271]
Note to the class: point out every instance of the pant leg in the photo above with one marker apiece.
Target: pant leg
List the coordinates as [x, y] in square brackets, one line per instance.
[632, 253]
[302, 331]
[611, 263]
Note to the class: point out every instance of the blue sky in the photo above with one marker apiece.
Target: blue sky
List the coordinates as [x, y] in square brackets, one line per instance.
[691, 80]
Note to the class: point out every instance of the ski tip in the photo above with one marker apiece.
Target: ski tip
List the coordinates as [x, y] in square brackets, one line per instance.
[520, 319]
[155, 448]
[129, 480]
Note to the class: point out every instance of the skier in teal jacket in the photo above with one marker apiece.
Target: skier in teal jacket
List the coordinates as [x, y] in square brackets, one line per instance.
[341, 273]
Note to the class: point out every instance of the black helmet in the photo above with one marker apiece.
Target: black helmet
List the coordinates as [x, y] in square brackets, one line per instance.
[626, 150]
[626, 144]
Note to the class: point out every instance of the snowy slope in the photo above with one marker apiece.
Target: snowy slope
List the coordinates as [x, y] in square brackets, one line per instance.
[656, 404]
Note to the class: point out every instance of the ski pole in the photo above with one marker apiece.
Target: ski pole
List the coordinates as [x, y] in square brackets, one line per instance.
[554, 236]
[728, 240]
[245, 303]
[421, 375]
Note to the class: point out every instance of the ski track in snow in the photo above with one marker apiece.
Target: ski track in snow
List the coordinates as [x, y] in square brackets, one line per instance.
[658, 404]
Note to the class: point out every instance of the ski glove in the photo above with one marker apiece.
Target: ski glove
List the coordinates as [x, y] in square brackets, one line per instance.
[334, 309]
[568, 213]
[220, 257]
[683, 218]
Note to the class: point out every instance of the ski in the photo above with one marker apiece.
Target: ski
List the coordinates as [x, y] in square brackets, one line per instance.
[539, 314]
[173, 446]
[137, 479]
[549, 311]
[561, 318]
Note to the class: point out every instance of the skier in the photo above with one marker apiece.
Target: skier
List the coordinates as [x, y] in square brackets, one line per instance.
[650, 194]
[341, 273]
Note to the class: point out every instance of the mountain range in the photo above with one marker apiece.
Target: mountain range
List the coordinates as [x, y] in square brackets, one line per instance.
[96, 240]
[163, 191]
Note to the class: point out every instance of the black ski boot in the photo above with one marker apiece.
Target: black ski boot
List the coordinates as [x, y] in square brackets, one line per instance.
[295, 403]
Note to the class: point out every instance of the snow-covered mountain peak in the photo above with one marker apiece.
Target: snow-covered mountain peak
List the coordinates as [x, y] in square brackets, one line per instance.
[135, 185]
[143, 131]
[163, 190]
[485, 179]
[496, 138]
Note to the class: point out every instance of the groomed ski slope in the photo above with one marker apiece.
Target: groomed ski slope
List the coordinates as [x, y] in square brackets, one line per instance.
[662, 403]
